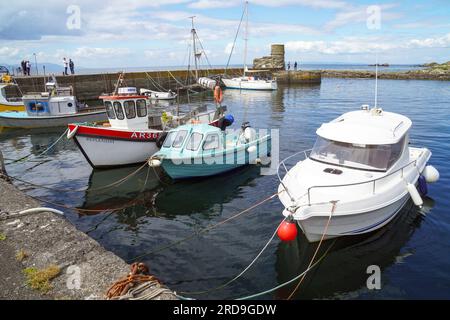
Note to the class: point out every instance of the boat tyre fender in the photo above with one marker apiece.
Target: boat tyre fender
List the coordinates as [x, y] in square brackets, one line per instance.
[160, 140]
[71, 134]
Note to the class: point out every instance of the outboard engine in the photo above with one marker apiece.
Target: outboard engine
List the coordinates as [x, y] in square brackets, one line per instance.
[248, 132]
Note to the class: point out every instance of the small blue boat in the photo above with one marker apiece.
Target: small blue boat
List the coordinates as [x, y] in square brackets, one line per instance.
[201, 150]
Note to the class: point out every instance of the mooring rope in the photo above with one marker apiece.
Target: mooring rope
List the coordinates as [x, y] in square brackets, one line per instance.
[260, 253]
[243, 271]
[204, 230]
[108, 186]
[278, 286]
[317, 249]
[40, 154]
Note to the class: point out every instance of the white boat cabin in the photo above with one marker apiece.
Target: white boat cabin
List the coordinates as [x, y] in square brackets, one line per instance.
[129, 110]
[371, 140]
[55, 101]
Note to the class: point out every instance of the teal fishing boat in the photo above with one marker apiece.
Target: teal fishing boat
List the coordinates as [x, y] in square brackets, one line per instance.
[201, 150]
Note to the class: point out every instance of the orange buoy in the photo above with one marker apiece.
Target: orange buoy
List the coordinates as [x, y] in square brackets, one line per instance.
[218, 94]
[287, 231]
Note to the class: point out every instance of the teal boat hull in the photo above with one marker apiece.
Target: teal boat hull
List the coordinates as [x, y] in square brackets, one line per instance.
[206, 166]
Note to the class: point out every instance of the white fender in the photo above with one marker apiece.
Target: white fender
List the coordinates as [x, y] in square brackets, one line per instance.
[154, 163]
[415, 196]
[71, 134]
[431, 174]
[251, 149]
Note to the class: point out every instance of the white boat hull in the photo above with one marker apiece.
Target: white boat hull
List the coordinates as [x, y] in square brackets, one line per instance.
[352, 224]
[105, 152]
[8, 121]
[238, 83]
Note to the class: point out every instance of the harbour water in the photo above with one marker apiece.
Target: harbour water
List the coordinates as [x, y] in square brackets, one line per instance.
[412, 251]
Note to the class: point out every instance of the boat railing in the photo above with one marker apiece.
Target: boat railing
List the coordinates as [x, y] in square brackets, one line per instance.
[400, 170]
[282, 164]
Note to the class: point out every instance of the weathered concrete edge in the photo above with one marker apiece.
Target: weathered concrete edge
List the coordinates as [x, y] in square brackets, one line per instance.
[51, 239]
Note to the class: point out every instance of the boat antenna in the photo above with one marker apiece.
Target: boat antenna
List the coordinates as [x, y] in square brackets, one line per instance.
[376, 81]
[194, 47]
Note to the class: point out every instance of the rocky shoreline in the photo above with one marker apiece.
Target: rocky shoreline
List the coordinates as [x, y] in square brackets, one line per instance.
[432, 71]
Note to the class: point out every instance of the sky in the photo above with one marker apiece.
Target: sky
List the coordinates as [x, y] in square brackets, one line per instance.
[136, 33]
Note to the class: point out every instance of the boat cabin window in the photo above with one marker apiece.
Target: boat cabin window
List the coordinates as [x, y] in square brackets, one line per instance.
[119, 111]
[141, 107]
[365, 157]
[169, 139]
[179, 138]
[194, 141]
[211, 142]
[109, 110]
[130, 109]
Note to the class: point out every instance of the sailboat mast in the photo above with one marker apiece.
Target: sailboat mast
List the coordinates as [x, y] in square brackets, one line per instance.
[194, 47]
[246, 38]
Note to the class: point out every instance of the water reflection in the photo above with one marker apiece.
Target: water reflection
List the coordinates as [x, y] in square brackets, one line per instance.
[137, 180]
[203, 195]
[342, 274]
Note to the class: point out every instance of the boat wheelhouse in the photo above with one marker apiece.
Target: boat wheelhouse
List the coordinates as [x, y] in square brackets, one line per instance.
[361, 171]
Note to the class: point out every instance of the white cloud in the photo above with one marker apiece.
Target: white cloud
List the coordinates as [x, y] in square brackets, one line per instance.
[436, 42]
[365, 45]
[8, 52]
[228, 48]
[322, 4]
[213, 4]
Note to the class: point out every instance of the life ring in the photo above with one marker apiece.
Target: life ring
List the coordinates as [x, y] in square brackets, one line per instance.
[160, 139]
[71, 134]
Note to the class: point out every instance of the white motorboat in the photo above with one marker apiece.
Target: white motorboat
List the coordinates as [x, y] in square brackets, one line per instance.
[359, 174]
[135, 131]
[157, 95]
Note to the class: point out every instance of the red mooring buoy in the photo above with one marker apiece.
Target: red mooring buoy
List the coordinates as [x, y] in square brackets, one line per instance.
[287, 231]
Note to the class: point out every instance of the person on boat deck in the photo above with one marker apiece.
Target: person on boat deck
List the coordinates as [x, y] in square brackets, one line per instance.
[295, 66]
[72, 66]
[218, 94]
[289, 65]
[66, 65]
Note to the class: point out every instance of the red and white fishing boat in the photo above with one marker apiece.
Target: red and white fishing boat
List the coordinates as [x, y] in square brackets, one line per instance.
[134, 132]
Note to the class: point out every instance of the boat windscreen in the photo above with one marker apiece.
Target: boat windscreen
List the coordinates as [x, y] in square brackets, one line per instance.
[179, 138]
[367, 157]
[109, 110]
[194, 141]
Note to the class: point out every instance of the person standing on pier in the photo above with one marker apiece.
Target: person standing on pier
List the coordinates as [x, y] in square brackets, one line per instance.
[28, 67]
[295, 65]
[24, 69]
[66, 65]
[72, 67]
